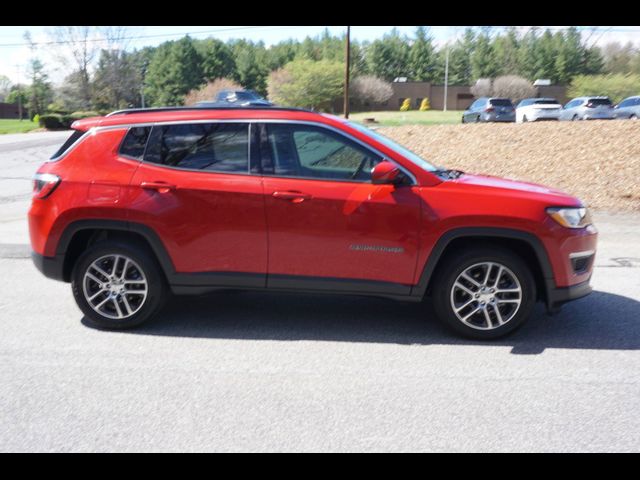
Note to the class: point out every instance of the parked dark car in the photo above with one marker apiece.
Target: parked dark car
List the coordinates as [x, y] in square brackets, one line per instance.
[628, 108]
[487, 109]
[237, 98]
[588, 108]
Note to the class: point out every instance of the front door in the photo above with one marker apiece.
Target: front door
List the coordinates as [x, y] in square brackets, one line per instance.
[329, 227]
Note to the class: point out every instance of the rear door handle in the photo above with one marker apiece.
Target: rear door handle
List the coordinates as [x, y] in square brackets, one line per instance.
[293, 197]
[161, 187]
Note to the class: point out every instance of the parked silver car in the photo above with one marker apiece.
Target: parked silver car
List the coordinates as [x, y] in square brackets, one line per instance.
[628, 108]
[490, 110]
[588, 108]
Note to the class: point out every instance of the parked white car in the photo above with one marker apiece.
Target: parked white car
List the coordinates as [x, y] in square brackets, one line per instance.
[533, 109]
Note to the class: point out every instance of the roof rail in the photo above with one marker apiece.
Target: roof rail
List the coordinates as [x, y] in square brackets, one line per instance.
[178, 109]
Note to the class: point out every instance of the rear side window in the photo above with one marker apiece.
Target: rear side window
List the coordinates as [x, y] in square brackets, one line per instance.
[501, 102]
[213, 147]
[67, 144]
[596, 102]
[135, 142]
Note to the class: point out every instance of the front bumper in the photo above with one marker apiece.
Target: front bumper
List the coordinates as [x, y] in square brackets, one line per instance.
[557, 296]
[50, 267]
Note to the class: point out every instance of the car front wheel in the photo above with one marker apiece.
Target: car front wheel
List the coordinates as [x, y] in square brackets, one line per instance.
[117, 285]
[484, 293]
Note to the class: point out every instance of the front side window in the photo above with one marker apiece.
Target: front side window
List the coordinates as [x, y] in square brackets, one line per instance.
[213, 147]
[312, 152]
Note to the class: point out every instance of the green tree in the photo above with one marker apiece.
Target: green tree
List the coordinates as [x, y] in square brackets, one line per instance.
[174, 70]
[117, 80]
[5, 85]
[308, 83]
[388, 57]
[506, 52]
[217, 59]
[422, 57]
[40, 92]
[459, 60]
[251, 65]
[483, 58]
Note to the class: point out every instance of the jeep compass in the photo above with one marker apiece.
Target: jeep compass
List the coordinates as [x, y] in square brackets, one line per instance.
[188, 200]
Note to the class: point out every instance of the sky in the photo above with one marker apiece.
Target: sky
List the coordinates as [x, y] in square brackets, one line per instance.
[15, 53]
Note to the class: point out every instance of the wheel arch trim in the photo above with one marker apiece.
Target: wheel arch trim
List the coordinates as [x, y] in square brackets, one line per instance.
[489, 232]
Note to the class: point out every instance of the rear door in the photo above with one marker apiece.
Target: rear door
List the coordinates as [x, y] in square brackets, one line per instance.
[195, 190]
[329, 226]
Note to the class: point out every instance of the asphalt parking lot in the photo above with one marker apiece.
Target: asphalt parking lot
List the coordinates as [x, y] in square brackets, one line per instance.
[254, 371]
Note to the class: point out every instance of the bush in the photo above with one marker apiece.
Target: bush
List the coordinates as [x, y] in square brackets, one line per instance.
[209, 91]
[87, 114]
[425, 105]
[406, 105]
[482, 88]
[36, 118]
[514, 87]
[616, 87]
[54, 121]
[368, 88]
[307, 83]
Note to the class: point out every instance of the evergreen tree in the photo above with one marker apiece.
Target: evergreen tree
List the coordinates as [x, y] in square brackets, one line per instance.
[175, 69]
[388, 57]
[422, 57]
[217, 59]
[483, 58]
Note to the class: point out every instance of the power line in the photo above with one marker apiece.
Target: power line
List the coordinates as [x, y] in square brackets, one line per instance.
[136, 37]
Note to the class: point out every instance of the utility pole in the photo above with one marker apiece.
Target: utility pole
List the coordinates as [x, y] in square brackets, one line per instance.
[347, 62]
[446, 77]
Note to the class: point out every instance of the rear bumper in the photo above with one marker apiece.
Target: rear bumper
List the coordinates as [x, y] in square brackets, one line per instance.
[50, 267]
[558, 296]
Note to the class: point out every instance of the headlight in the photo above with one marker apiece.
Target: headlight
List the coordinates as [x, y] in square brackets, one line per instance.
[576, 217]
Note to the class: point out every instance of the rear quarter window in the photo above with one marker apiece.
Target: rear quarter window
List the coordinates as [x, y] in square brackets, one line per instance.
[75, 136]
[135, 142]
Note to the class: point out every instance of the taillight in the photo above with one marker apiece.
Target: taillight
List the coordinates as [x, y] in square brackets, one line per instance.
[44, 184]
[489, 109]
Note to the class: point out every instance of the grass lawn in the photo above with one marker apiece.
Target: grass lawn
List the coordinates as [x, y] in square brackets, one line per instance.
[16, 126]
[392, 119]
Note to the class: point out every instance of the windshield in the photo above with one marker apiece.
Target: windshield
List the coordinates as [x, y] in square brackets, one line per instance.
[386, 141]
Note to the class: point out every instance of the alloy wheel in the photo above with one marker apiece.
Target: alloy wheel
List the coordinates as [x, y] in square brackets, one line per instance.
[486, 295]
[115, 286]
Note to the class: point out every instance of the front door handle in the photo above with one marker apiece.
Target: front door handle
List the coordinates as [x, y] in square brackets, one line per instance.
[292, 196]
[160, 187]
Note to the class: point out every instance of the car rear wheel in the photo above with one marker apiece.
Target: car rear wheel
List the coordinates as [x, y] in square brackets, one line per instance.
[633, 117]
[117, 285]
[484, 293]
[575, 118]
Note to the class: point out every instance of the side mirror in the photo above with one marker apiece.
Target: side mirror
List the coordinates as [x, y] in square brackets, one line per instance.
[385, 172]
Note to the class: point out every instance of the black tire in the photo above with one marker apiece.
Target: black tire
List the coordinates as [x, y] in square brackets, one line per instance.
[463, 120]
[453, 265]
[524, 119]
[157, 291]
[633, 117]
[575, 118]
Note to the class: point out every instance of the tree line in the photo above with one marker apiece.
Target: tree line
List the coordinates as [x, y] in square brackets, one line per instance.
[114, 77]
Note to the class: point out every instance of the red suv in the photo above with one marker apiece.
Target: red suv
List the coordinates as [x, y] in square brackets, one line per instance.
[145, 202]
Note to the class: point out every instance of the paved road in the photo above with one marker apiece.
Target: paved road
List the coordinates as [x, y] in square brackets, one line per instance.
[249, 371]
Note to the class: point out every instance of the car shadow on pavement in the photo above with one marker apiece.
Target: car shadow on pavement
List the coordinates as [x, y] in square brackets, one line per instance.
[599, 321]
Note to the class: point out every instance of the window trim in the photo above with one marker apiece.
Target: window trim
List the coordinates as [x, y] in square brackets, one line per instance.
[337, 131]
[250, 122]
[197, 170]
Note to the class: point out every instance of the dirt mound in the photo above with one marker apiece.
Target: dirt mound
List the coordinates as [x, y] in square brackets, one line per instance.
[597, 161]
